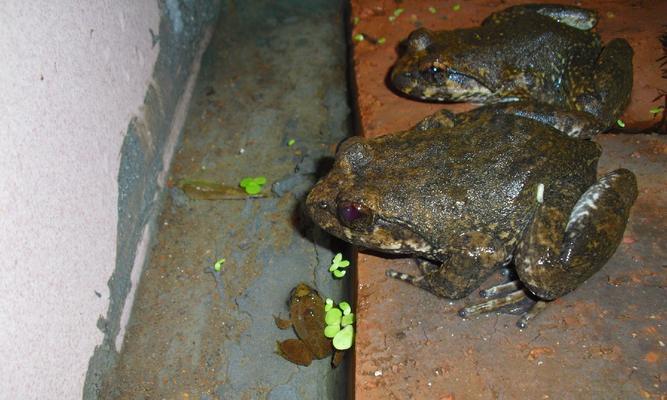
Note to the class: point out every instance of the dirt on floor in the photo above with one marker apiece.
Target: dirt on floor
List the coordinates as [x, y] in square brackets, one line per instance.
[271, 101]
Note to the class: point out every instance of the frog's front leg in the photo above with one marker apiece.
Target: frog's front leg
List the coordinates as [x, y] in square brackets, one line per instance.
[560, 251]
[606, 96]
[471, 261]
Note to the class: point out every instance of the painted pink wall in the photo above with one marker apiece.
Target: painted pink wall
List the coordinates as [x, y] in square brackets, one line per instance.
[72, 75]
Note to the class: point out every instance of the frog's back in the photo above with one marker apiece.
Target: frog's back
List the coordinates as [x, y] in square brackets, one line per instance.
[499, 50]
[480, 175]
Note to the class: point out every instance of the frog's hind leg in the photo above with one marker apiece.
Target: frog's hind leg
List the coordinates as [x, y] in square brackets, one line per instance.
[576, 17]
[557, 252]
[609, 93]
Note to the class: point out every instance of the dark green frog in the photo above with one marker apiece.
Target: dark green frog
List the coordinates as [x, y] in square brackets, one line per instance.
[500, 185]
[538, 53]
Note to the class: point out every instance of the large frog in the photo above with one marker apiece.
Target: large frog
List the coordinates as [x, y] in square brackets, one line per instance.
[473, 192]
[538, 53]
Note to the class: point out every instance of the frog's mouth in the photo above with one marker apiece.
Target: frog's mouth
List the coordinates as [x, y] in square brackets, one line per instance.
[359, 225]
[441, 84]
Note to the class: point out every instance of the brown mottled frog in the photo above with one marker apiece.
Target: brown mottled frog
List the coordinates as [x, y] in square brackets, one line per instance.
[473, 192]
[306, 308]
[539, 52]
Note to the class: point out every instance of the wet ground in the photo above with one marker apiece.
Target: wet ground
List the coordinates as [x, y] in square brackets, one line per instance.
[273, 73]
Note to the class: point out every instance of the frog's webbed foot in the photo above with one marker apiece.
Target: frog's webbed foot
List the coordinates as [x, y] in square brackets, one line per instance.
[440, 119]
[579, 18]
[558, 252]
[510, 298]
[609, 92]
[575, 124]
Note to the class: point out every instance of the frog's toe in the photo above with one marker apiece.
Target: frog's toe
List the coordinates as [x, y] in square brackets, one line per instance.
[517, 302]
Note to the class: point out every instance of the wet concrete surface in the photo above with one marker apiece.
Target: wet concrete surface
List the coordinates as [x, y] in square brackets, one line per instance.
[273, 72]
[605, 340]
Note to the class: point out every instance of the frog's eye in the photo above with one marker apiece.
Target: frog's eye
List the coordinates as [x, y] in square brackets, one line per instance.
[355, 216]
[434, 74]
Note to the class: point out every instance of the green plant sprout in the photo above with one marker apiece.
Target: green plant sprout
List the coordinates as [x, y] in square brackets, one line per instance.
[456, 7]
[358, 37]
[338, 266]
[218, 264]
[355, 20]
[655, 110]
[344, 338]
[432, 10]
[382, 40]
[291, 142]
[620, 123]
[398, 11]
[339, 322]
[252, 185]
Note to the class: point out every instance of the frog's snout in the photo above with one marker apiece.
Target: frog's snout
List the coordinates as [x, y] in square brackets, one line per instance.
[403, 81]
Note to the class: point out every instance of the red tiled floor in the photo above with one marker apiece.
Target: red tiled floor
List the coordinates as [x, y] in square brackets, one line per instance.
[604, 340]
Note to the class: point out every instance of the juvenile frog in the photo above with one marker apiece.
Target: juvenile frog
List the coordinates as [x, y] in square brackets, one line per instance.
[307, 318]
[539, 53]
[473, 192]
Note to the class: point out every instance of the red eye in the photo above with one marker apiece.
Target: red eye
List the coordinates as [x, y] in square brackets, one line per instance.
[355, 215]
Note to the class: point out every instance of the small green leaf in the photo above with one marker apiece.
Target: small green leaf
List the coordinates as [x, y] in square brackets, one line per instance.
[331, 330]
[333, 316]
[344, 264]
[355, 20]
[344, 339]
[456, 7]
[337, 258]
[382, 40]
[260, 180]
[218, 264]
[339, 273]
[655, 110]
[432, 10]
[345, 307]
[291, 142]
[398, 12]
[358, 37]
[620, 123]
[328, 304]
[392, 18]
[253, 188]
[347, 319]
[245, 181]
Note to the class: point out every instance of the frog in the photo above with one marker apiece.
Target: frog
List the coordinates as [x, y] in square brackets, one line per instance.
[544, 53]
[499, 187]
[306, 308]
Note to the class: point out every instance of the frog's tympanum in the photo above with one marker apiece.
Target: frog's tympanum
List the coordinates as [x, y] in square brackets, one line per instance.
[540, 52]
[472, 192]
[307, 318]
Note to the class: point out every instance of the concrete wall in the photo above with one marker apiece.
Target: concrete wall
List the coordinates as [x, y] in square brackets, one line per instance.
[93, 96]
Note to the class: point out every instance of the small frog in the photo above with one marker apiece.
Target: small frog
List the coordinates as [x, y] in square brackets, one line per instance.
[473, 192]
[539, 52]
[307, 318]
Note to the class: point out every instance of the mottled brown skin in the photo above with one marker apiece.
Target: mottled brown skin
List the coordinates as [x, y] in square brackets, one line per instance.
[535, 53]
[461, 191]
[307, 318]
